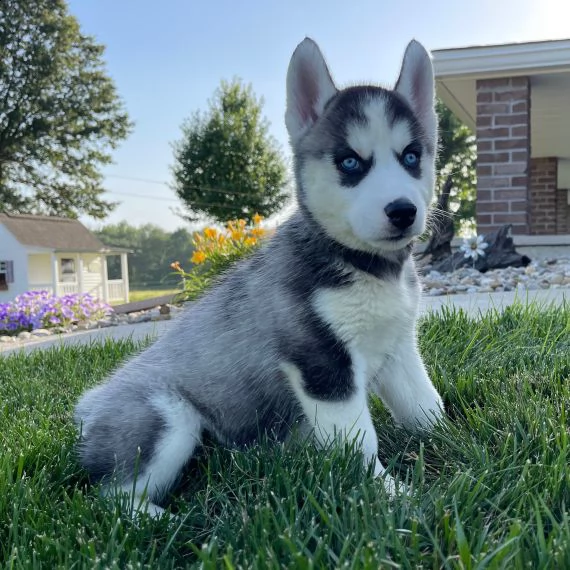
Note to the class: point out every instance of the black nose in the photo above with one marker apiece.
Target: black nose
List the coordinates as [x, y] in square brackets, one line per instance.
[401, 213]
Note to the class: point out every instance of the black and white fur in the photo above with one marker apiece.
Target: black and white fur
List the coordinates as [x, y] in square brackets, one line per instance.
[320, 316]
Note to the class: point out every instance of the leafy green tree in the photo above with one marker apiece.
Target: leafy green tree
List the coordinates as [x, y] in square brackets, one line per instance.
[457, 161]
[227, 166]
[153, 250]
[59, 112]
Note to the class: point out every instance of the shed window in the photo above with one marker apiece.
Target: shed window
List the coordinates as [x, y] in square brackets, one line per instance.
[6, 274]
[67, 269]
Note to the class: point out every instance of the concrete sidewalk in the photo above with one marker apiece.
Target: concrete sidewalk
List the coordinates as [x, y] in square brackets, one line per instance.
[473, 304]
[476, 303]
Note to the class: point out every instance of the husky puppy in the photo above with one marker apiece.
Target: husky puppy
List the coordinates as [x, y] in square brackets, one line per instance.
[320, 316]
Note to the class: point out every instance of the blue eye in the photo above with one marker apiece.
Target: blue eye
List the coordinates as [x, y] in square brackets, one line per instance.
[411, 159]
[350, 164]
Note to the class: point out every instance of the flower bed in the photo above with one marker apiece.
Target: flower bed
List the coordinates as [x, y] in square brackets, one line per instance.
[42, 309]
[215, 252]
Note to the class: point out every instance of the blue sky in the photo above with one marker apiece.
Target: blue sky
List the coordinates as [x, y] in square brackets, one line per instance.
[168, 57]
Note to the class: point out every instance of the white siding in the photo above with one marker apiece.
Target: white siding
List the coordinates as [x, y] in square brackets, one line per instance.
[92, 281]
[12, 250]
[40, 271]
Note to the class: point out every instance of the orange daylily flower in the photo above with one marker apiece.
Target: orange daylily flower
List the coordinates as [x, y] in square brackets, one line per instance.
[198, 257]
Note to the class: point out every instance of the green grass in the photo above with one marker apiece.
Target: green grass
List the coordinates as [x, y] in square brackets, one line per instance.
[143, 294]
[491, 484]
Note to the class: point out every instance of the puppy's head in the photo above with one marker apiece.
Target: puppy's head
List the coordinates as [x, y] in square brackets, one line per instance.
[364, 156]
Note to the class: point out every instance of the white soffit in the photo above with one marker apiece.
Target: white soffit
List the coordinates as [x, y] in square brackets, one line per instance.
[506, 60]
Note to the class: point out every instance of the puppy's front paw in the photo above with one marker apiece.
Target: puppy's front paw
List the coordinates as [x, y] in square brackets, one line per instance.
[425, 417]
[394, 488]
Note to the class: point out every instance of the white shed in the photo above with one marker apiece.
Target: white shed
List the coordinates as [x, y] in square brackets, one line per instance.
[59, 255]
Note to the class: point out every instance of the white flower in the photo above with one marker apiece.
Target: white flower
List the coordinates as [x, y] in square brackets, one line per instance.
[474, 247]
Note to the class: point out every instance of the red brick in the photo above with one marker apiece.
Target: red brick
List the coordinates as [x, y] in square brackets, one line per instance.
[517, 82]
[509, 218]
[484, 146]
[517, 156]
[490, 182]
[519, 131]
[492, 108]
[512, 95]
[484, 170]
[513, 168]
[484, 195]
[519, 181]
[493, 84]
[485, 97]
[496, 206]
[493, 133]
[484, 219]
[511, 119]
[491, 157]
[520, 107]
[507, 144]
[509, 194]
[517, 205]
[484, 121]
[519, 229]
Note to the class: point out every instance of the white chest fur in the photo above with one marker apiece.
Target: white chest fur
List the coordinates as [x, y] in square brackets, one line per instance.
[369, 316]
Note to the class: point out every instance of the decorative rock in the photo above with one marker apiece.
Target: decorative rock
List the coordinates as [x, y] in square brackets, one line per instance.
[24, 335]
[6, 338]
[42, 332]
[154, 313]
[539, 274]
[140, 317]
[161, 318]
[435, 292]
[556, 279]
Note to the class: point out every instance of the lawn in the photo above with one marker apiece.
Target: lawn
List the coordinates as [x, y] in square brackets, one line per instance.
[491, 484]
[143, 294]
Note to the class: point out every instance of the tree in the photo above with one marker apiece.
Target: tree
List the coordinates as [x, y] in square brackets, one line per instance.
[59, 112]
[455, 166]
[153, 250]
[226, 164]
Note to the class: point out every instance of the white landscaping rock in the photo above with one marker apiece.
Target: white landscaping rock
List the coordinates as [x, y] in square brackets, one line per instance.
[539, 274]
[41, 332]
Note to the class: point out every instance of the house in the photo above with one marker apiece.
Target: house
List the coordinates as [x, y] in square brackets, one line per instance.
[516, 99]
[57, 254]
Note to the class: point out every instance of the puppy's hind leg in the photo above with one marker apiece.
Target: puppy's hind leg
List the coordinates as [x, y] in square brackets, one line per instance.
[181, 435]
[147, 461]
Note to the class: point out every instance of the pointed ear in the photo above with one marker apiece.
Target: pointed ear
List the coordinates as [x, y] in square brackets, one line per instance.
[309, 87]
[416, 85]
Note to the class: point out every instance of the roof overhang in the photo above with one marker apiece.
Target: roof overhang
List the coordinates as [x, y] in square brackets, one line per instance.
[105, 251]
[509, 60]
[547, 64]
[31, 249]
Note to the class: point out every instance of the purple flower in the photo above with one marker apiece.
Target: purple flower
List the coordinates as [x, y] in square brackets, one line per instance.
[41, 309]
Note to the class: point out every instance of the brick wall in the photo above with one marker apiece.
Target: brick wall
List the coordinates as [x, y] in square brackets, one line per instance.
[562, 212]
[503, 153]
[543, 195]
